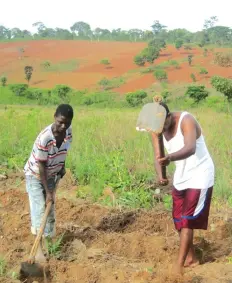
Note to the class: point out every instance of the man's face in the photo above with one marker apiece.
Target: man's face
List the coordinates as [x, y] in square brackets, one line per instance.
[62, 123]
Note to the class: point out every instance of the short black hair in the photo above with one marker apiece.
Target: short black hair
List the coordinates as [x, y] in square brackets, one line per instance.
[65, 110]
[165, 107]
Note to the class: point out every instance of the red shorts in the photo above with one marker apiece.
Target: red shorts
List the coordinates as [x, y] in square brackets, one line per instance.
[191, 208]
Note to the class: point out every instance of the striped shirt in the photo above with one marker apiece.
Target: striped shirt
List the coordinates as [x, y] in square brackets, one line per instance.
[44, 149]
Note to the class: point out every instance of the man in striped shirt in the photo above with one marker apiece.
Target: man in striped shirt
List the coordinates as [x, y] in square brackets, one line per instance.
[45, 164]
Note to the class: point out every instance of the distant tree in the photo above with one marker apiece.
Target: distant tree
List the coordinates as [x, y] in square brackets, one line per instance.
[197, 93]
[157, 27]
[3, 80]
[190, 59]
[179, 43]
[209, 23]
[161, 75]
[135, 34]
[28, 70]
[40, 27]
[157, 43]
[223, 85]
[140, 60]
[135, 98]
[81, 28]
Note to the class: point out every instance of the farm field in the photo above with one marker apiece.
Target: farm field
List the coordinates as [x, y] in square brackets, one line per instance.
[77, 64]
[114, 222]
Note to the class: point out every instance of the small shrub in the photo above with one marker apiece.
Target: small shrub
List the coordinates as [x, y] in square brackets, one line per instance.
[165, 94]
[223, 59]
[3, 80]
[187, 47]
[113, 83]
[139, 60]
[136, 98]
[97, 98]
[161, 75]
[205, 53]
[18, 89]
[105, 62]
[28, 73]
[222, 85]
[203, 71]
[174, 63]
[193, 77]
[190, 59]
[46, 64]
[62, 91]
[178, 43]
[197, 93]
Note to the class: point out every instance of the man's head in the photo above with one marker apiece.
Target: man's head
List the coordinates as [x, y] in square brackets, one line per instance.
[63, 117]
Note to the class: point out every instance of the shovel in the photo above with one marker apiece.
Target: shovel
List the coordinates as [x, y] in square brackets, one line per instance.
[151, 119]
[31, 268]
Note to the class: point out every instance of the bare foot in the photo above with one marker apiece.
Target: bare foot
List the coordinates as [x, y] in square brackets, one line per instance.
[191, 263]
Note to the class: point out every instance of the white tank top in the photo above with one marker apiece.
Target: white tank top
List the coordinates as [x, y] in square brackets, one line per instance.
[196, 171]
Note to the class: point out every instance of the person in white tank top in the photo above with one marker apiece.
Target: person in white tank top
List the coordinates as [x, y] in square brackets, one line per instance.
[193, 178]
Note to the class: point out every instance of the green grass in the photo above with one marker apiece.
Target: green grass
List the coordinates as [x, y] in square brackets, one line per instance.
[65, 66]
[107, 151]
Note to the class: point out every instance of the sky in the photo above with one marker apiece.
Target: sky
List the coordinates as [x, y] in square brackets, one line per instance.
[125, 14]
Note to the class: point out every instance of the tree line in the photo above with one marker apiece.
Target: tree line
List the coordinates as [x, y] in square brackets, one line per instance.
[211, 33]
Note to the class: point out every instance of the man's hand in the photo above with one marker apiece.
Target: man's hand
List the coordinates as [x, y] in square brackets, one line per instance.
[49, 197]
[163, 182]
[164, 161]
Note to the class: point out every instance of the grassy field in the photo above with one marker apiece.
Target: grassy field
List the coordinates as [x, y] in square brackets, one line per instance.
[108, 151]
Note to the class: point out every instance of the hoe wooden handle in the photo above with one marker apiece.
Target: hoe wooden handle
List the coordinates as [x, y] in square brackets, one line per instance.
[41, 231]
[162, 154]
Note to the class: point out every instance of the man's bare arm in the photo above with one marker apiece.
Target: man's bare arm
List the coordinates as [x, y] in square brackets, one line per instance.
[189, 131]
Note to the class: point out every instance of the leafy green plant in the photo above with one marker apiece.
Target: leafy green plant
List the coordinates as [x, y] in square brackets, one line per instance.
[18, 89]
[54, 248]
[2, 266]
[167, 201]
[3, 80]
[161, 75]
[107, 84]
[105, 62]
[203, 71]
[136, 98]
[197, 93]
[222, 85]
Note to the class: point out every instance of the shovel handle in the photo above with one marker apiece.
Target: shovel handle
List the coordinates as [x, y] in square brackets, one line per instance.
[162, 154]
[41, 231]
